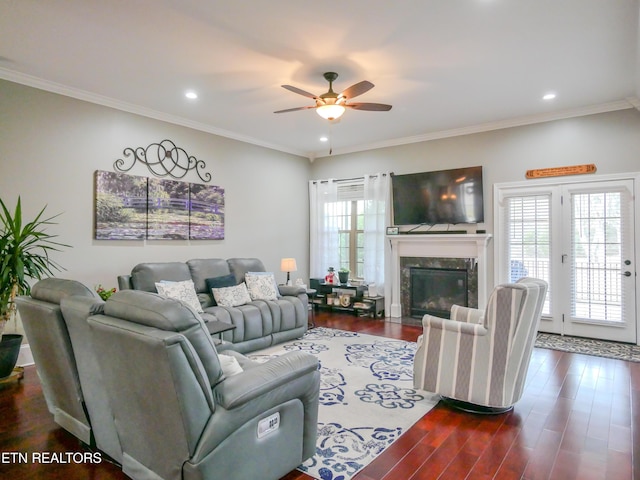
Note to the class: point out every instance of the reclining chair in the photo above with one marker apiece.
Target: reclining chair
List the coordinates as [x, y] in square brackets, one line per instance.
[179, 416]
[75, 311]
[65, 364]
[478, 362]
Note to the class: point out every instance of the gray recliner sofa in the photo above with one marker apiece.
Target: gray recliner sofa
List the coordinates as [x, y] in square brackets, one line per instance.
[180, 416]
[258, 324]
[54, 319]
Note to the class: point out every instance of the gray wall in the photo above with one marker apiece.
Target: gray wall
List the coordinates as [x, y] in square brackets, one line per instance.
[609, 140]
[51, 145]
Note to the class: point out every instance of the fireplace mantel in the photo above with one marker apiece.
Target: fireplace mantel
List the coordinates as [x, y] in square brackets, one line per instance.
[437, 245]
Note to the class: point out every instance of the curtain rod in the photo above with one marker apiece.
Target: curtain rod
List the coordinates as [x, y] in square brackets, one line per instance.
[351, 179]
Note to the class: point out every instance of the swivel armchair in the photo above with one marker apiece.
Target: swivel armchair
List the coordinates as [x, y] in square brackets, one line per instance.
[478, 361]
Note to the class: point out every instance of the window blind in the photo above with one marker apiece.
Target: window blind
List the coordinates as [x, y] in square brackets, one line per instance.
[528, 225]
[351, 191]
[597, 255]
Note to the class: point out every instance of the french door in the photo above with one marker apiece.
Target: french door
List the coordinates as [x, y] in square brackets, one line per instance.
[580, 238]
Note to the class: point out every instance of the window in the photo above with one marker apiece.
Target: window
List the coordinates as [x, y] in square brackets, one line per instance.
[347, 225]
[348, 214]
[351, 237]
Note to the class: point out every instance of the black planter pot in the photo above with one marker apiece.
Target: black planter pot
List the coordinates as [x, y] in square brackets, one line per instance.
[344, 277]
[9, 351]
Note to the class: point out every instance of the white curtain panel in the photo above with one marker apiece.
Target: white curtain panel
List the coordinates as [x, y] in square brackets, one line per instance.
[377, 216]
[323, 235]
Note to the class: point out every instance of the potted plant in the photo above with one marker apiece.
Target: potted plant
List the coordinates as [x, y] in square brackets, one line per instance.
[24, 255]
[343, 275]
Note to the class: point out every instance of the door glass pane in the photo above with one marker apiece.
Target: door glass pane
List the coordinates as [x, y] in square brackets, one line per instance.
[529, 229]
[597, 256]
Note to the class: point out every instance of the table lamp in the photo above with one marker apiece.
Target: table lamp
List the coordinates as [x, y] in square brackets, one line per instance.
[288, 265]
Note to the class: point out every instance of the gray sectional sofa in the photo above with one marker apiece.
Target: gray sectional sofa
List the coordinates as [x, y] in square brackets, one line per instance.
[139, 377]
[258, 323]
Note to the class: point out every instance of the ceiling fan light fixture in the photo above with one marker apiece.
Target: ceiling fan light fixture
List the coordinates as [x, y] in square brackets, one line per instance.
[330, 112]
[331, 105]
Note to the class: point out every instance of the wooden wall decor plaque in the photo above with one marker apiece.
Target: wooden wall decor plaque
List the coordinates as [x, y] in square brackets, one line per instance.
[561, 171]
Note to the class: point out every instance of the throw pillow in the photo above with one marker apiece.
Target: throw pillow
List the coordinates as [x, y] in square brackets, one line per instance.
[231, 296]
[261, 286]
[270, 275]
[229, 365]
[184, 291]
[219, 282]
[222, 281]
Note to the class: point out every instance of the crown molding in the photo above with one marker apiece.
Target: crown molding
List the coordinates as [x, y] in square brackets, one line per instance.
[625, 104]
[39, 83]
[53, 87]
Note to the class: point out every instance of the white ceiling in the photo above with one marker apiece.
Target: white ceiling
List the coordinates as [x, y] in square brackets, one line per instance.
[446, 66]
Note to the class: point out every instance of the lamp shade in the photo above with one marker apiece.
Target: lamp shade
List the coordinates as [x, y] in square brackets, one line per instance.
[330, 112]
[288, 265]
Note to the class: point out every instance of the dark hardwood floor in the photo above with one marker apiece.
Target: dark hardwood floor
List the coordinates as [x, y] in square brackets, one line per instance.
[578, 419]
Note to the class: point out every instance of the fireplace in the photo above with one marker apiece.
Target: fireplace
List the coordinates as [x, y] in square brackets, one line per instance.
[454, 251]
[435, 290]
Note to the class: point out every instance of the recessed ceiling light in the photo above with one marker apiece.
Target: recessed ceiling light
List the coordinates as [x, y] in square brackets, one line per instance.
[324, 139]
[549, 96]
[191, 95]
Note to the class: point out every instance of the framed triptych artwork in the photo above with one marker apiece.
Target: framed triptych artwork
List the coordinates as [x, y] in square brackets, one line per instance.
[130, 207]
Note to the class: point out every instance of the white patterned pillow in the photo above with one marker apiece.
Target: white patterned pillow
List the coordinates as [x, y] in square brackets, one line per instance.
[261, 286]
[229, 365]
[231, 296]
[184, 291]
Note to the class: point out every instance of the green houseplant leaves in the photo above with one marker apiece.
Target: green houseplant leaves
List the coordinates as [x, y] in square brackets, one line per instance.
[24, 255]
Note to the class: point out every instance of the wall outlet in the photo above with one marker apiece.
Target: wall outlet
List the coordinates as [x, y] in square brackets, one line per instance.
[268, 425]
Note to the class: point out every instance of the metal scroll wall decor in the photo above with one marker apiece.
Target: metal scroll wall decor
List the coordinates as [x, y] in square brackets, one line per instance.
[163, 159]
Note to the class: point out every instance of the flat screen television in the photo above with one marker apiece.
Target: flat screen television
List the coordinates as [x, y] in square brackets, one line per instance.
[445, 196]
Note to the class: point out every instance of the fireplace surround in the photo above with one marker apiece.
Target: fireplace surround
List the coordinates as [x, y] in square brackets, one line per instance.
[459, 251]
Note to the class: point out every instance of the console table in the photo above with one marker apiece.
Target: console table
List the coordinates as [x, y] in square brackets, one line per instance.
[348, 298]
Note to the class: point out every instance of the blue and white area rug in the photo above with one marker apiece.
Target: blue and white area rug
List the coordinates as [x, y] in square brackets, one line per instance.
[367, 398]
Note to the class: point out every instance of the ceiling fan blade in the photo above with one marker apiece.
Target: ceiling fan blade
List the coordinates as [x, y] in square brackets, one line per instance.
[294, 109]
[357, 89]
[299, 91]
[373, 107]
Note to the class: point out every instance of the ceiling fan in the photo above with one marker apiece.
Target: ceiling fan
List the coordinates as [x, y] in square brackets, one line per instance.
[332, 105]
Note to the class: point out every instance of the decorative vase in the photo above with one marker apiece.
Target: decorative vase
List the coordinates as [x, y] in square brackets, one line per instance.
[9, 351]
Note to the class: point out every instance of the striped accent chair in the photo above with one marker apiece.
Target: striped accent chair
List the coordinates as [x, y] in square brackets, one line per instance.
[478, 361]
